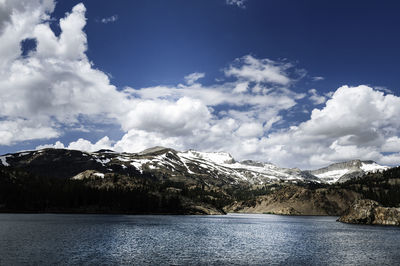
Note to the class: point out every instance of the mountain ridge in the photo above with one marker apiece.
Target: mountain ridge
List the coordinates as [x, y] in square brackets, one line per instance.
[190, 163]
[163, 180]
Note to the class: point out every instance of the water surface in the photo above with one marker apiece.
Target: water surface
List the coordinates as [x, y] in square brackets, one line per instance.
[230, 239]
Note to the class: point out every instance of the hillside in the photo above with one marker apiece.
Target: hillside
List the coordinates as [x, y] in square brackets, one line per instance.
[163, 180]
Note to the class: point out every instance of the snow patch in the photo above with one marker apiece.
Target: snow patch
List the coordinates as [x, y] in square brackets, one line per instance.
[101, 175]
[373, 167]
[4, 160]
[215, 157]
[138, 163]
[332, 176]
[123, 159]
[103, 161]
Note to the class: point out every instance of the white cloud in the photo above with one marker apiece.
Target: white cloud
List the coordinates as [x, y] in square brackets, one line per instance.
[85, 145]
[391, 144]
[81, 144]
[179, 117]
[316, 98]
[317, 78]
[17, 21]
[111, 19]
[241, 87]
[384, 89]
[17, 130]
[239, 3]
[260, 70]
[357, 122]
[250, 130]
[56, 87]
[138, 140]
[57, 145]
[192, 78]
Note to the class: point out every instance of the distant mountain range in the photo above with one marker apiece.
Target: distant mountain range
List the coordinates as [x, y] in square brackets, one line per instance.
[163, 180]
[213, 167]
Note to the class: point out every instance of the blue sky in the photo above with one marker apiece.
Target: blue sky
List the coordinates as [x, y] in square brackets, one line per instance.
[114, 77]
[159, 42]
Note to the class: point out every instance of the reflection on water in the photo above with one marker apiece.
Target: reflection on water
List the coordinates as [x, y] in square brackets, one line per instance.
[234, 239]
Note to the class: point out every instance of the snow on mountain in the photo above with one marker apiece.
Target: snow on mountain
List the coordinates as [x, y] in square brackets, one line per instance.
[216, 157]
[341, 172]
[3, 160]
[372, 167]
[250, 171]
[217, 167]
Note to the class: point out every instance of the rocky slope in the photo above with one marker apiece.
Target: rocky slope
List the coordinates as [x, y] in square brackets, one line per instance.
[370, 212]
[296, 200]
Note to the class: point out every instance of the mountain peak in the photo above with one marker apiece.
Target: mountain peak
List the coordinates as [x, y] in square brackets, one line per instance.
[155, 150]
[343, 171]
[216, 157]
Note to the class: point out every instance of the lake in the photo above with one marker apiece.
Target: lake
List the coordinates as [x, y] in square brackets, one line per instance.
[155, 239]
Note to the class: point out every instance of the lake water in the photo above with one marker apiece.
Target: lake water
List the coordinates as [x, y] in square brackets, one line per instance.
[232, 239]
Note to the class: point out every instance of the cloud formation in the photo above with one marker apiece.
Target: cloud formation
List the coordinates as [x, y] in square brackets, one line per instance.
[55, 85]
[316, 98]
[357, 122]
[55, 88]
[192, 78]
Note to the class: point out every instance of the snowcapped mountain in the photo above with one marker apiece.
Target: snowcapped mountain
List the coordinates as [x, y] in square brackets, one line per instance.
[191, 167]
[341, 172]
[218, 168]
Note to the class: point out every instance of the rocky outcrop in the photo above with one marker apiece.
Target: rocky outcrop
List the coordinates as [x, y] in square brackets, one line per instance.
[296, 200]
[370, 212]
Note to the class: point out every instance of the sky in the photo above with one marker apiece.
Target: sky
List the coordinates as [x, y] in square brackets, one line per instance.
[295, 83]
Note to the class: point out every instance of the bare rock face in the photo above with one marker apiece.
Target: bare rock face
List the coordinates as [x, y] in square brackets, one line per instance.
[295, 200]
[370, 212]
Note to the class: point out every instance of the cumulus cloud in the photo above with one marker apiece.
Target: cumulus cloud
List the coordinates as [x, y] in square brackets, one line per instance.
[55, 88]
[174, 118]
[55, 84]
[357, 122]
[81, 144]
[17, 130]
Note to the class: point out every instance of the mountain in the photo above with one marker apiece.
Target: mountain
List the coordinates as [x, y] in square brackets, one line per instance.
[156, 180]
[216, 168]
[344, 171]
[163, 180]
